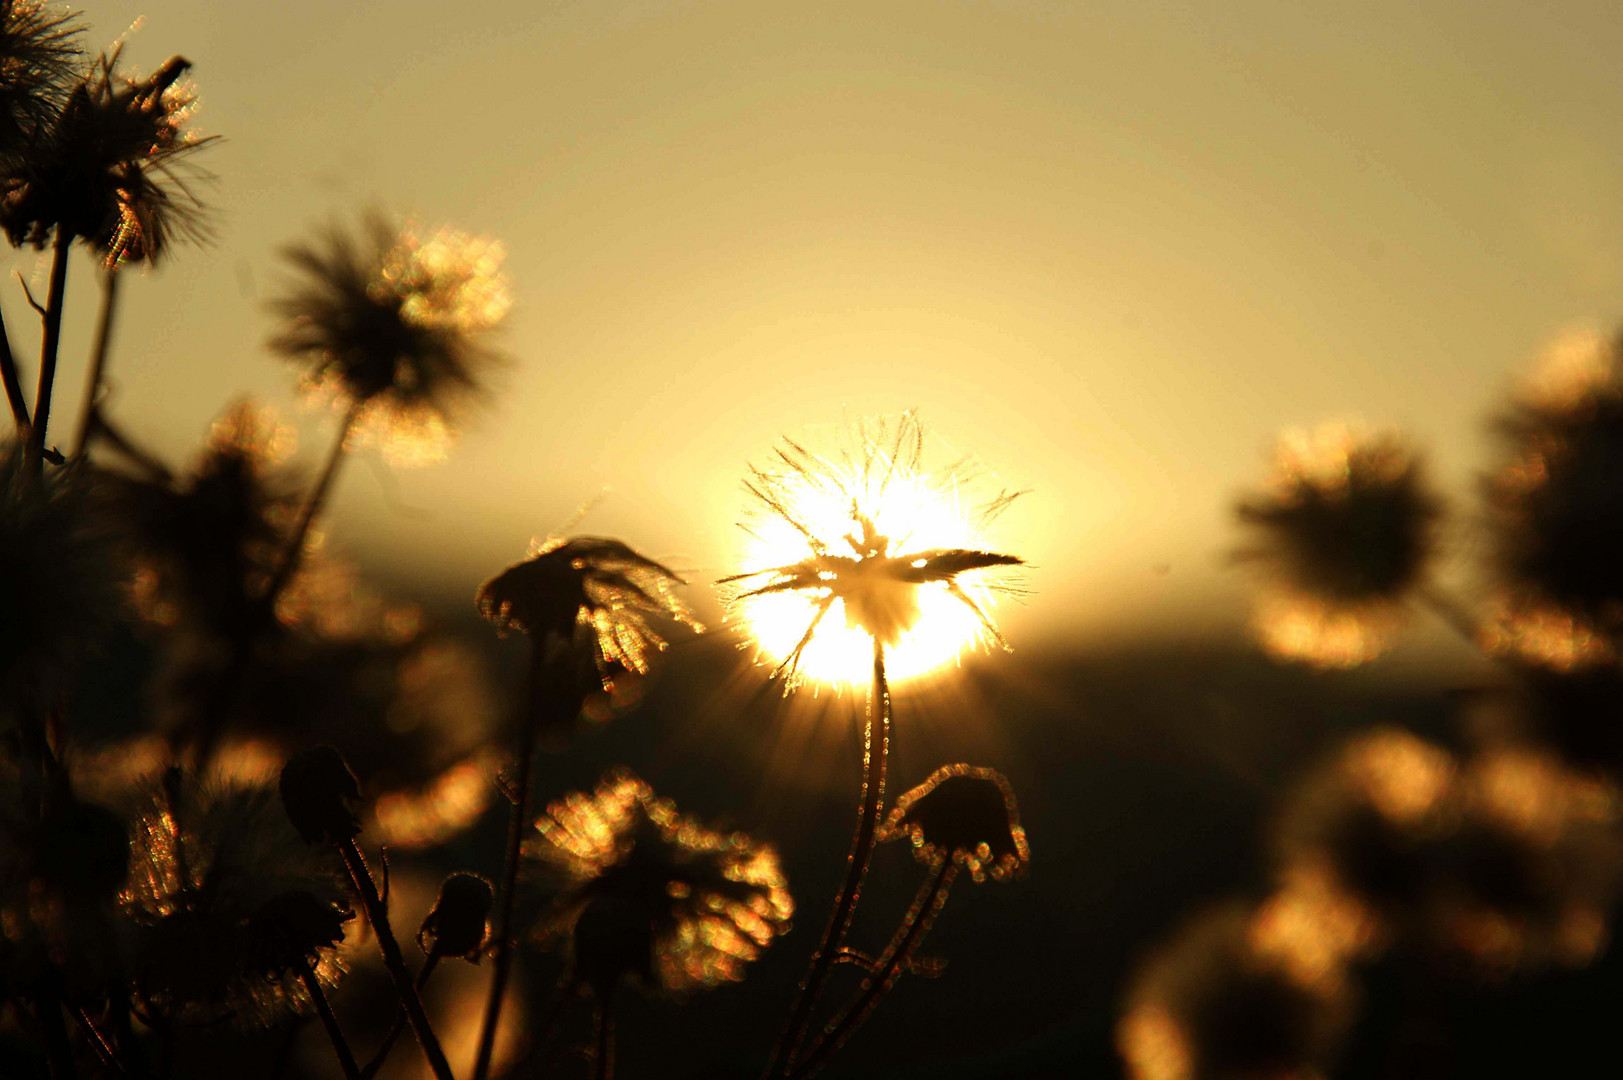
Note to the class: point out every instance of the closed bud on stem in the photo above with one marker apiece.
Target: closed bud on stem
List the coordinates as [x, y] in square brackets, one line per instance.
[458, 925]
[318, 790]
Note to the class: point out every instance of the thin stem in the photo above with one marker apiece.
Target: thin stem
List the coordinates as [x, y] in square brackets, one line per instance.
[378, 914]
[932, 896]
[603, 1051]
[293, 553]
[98, 361]
[517, 824]
[876, 751]
[99, 1043]
[48, 345]
[14, 385]
[400, 1022]
[340, 1045]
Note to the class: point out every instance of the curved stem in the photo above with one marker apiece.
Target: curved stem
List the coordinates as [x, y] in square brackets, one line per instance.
[603, 1052]
[98, 362]
[340, 1045]
[516, 826]
[932, 896]
[876, 751]
[378, 914]
[48, 345]
[400, 1022]
[13, 381]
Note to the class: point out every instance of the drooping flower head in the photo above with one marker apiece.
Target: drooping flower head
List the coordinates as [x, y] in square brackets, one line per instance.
[1345, 531]
[652, 895]
[38, 48]
[459, 923]
[111, 167]
[861, 548]
[1556, 508]
[227, 904]
[966, 815]
[396, 325]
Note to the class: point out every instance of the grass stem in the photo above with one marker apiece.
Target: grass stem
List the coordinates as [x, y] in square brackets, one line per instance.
[340, 1045]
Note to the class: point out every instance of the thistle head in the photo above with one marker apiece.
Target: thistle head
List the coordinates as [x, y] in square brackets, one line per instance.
[110, 167]
[38, 51]
[291, 931]
[458, 925]
[395, 326]
[1346, 533]
[965, 815]
[652, 895]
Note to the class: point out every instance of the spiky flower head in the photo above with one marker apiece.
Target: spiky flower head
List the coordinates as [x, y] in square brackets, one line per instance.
[1210, 1006]
[652, 895]
[871, 536]
[966, 815]
[111, 168]
[218, 934]
[38, 49]
[1556, 507]
[59, 589]
[458, 925]
[1345, 532]
[395, 326]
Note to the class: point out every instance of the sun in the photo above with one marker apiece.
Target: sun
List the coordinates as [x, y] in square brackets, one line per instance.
[863, 547]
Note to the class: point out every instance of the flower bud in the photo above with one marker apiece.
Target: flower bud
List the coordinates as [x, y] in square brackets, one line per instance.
[317, 790]
[287, 932]
[964, 814]
[457, 926]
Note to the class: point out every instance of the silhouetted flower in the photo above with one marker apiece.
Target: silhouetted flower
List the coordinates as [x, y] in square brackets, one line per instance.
[107, 169]
[909, 582]
[59, 587]
[1209, 1006]
[651, 895]
[319, 791]
[1556, 506]
[1345, 532]
[458, 925]
[394, 325]
[38, 48]
[586, 604]
[964, 814]
[217, 933]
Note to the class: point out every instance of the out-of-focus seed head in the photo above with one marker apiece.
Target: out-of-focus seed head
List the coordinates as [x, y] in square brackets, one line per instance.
[967, 815]
[1555, 505]
[708, 901]
[319, 792]
[397, 325]
[38, 51]
[1345, 532]
[458, 925]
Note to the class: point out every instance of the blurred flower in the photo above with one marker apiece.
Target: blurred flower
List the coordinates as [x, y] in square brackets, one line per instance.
[318, 791]
[966, 815]
[217, 933]
[585, 604]
[108, 168]
[651, 895]
[1555, 504]
[59, 589]
[1210, 1005]
[1345, 533]
[912, 580]
[458, 925]
[395, 326]
[38, 48]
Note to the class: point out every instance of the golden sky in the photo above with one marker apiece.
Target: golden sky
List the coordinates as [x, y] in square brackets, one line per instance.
[1108, 247]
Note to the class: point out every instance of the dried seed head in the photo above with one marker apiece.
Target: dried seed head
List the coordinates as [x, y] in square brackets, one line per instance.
[967, 815]
[288, 932]
[319, 792]
[38, 50]
[458, 924]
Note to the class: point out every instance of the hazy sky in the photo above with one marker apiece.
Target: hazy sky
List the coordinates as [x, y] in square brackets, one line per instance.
[1109, 247]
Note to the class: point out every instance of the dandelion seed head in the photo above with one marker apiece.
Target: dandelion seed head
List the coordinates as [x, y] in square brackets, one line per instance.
[861, 547]
[663, 897]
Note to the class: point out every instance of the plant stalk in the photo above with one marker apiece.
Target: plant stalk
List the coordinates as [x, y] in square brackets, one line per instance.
[13, 381]
[876, 752]
[378, 914]
[399, 1027]
[50, 340]
[932, 896]
[340, 1045]
[98, 362]
[293, 553]
[603, 1051]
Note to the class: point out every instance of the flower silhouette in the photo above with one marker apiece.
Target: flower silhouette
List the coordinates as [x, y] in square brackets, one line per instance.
[652, 895]
[965, 815]
[38, 48]
[394, 328]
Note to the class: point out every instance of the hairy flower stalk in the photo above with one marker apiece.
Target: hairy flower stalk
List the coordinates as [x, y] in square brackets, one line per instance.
[908, 586]
[585, 604]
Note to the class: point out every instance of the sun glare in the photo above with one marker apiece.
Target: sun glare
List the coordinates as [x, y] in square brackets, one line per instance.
[885, 537]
